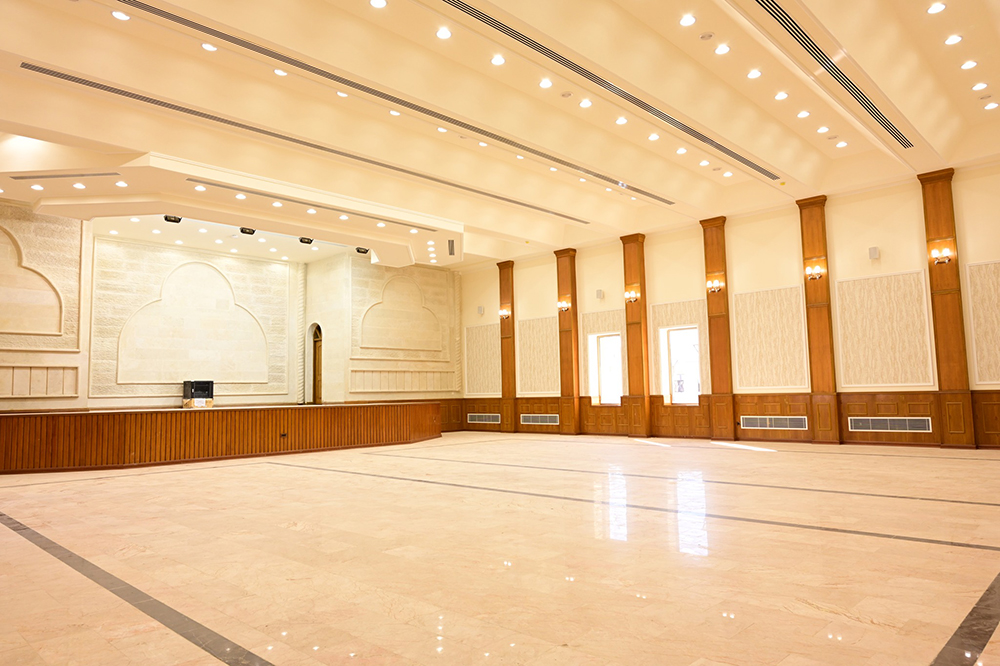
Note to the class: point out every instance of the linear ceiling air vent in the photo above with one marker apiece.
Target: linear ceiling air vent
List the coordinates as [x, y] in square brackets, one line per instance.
[283, 137]
[483, 17]
[774, 423]
[806, 42]
[67, 175]
[895, 424]
[392, 99]
[483, 418]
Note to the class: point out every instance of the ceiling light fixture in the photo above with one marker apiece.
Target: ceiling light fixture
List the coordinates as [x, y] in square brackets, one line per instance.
[133, 219]
[434, 261]
[936, 8]
[754, 74]
[583, 180]
[393, 112]
[704, 163]
[443, 33]
[442, 130]
[969, 64]
[432, 255]
[842, 144]
[953, 39]
[199, 188]
[344, 217]
[687, 20]
[341, 94]
[585, 103]
[377, 4]
[203, 231]
[430, 242]
[79, 186]
[498, 60]
[823, 130]
[311, 211]
[273, 249]
[654, 137]
[241, 196]
[284, 258]
[121, 16]
[218, 241]
[681, 151]
[520, 157]
[722, 49]
[380, 224]
[553, 169]
[803, 114]
[780, 96]
[979, 86]
[234, 250]
[261, 240]
[209, 47]
[990, 106]
[178, 242]
[728, 174]
[545, 83]
[621, 120]
[121, 183]
[413, 231]
[281, 72]
[37, 188]
[482, 144]
[277, 204]
[112, 232]
[156, 231]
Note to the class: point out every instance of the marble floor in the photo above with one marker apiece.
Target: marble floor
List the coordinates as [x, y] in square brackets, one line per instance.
[480, 548]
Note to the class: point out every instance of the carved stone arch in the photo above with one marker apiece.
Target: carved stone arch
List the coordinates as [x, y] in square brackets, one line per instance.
[29, 303]
[400, 320]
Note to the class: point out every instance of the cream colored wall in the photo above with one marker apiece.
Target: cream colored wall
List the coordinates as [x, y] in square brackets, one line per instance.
[977, 213]
[328, 288]
[881, 312]
[481, 332]
[535, 288]
[600, 267]
[675, 266]
[480, 287]
[537, 332]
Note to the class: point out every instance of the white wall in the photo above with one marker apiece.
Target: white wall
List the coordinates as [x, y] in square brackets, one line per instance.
[328, 288]
[600, 267]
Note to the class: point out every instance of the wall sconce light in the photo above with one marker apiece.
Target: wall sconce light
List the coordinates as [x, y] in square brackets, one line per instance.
[631, 296]
[504, 313]
[814, 272]
[713, 286]
[563, 306]
[941, 256]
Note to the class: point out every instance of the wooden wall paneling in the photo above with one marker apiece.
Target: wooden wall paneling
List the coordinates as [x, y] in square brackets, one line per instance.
[958, 429]
[508, 362]
[481, 406]
[904, 404]
[690, 421]
[786, 404]
[636, 402]
[824, 417]
[569, 343]
[986, 407]
[603, 419]
[540, 405]
[452, 415]
[720, 352]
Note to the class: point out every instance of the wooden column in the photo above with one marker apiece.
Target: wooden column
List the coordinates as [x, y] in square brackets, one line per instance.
[824, 419]
[508, 367]
[723, 412]
[569, 344]
[946, 307]
[636, 403]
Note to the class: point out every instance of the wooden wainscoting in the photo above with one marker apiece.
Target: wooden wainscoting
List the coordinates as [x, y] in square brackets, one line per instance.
[537, 406]
[62, 441]
[452, 415]
[782, 404]
[480, 406]
[986, 408]
[918, 404]
[602, 419]
[693, 421]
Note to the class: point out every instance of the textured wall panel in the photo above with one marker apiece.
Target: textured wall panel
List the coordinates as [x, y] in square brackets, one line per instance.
[769, 340]
[129, 276]
[671, 315]
[482, 360]
[39, 281]
[538, 356]
[883, 332]
[38, 381]
[984, 295]
[594, 323]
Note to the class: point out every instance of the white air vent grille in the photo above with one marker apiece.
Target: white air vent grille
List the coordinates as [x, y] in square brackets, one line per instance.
[898, 424]
[483, 418]
[774, 422]
[539, 419]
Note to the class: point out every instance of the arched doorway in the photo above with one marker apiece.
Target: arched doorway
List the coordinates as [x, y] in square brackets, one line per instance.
[317, 366]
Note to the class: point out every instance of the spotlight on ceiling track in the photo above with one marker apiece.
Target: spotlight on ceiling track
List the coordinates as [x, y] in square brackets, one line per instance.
[173, 219]
[361, 250]
[248, 231]
[305, 241]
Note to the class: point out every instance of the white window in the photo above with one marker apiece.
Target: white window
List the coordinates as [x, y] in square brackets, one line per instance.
[605, 363]
[680, 365]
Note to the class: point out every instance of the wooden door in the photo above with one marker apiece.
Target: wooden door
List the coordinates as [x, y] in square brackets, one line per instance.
[317, 366]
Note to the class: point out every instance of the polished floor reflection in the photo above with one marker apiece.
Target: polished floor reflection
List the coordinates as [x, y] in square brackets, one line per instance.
[482, 548]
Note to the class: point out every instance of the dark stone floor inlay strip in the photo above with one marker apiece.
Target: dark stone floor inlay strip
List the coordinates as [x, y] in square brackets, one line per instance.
[971, 637]
[659, 509]
[215, 644]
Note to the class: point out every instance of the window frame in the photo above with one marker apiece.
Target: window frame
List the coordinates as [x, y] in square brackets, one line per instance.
[666, 374]
[597, 348]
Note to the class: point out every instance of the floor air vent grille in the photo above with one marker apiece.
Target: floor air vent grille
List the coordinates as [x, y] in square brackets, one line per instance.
[774, 422]
[483, 418]
[539, 419]
[897, 424]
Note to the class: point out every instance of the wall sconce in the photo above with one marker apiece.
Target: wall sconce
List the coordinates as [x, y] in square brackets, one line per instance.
[814, 272]
[941, 256]
[504, 313]
[631, 296]
[713, 286]
[563, 306]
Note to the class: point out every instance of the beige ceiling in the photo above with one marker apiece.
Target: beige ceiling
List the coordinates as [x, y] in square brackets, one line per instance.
[84, 93]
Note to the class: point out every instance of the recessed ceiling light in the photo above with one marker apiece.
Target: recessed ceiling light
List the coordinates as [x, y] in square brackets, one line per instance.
[393, 112]
[482, 144]
[434, 261]
[341, 94]
[261, 240]
[203, 231]
[545, 83]
[178, 242]
[277, 204]
[344, 217]
[842, 144]
[156, 231]
[121, 16]
[441, 129]
[823, 130]
[133, 219]
[583, 180]
[79, 186]
[413, 231]
[585, 103]
[979, 86]
[443, 33]
[728, 174]
[113, 232]
[281, 72]
[311, 211]
[990, 106]
[284, 258]
[780, 96]
[607, 189]
[687, 20]
[803, 114]
[936, 8]
[430, 242]
[498, 60]
[621, 120]
[754, 74]
[121, 183]
[722, 49]
[37, 188]
[273, 249]
[654, 137]
[199, 188]
[218, 241]
[234, 250]
[704, 163]
[377, 4]
[953, 39]
[241, 196]
[553, 169]
[380, 224]
[315, 248]
[432, 255]
[520, 157]
[969, 64]
[209, 47]
[681, 151]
